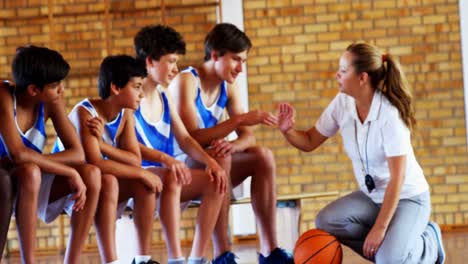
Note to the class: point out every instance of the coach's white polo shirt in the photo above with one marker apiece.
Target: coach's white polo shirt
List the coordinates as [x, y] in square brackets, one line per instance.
[387, 135]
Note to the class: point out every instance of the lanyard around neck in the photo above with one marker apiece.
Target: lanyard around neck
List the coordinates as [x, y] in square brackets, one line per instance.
[365, 170]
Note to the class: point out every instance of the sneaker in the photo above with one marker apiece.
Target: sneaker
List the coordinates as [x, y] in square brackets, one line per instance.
[147, 262]
[440, 246]
[277, 256]
[207, 261]
[180, 260]
[226, 258]
[199, 261]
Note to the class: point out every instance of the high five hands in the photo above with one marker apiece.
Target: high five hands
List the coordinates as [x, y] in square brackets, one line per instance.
[220, 148]
[256, 117]
[285, 117]
[284, 121]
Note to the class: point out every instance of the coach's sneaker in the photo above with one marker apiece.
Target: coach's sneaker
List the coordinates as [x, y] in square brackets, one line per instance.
[226, 258]
[277, 256]
[440, 246]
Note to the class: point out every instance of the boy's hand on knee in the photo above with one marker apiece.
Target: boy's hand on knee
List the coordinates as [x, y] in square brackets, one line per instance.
[220, 148]
[180, 171]
[78, 186]
[217, 176]
[151, 181]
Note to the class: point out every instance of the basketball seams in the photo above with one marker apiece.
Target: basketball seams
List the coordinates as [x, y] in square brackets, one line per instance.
[312, 236]
[337, 251]
[313, 246]
[320, 250]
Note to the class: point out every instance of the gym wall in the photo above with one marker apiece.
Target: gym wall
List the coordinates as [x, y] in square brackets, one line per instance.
[297, 44]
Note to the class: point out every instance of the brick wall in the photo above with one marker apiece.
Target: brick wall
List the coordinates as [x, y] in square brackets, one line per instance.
[297, 44]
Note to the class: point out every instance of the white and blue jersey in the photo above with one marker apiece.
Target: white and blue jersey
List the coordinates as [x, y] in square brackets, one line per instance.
[109, 134]
[159, 135]
[209, 116]
[34, 138]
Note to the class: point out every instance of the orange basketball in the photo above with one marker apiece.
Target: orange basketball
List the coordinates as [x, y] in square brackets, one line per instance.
[317, 246]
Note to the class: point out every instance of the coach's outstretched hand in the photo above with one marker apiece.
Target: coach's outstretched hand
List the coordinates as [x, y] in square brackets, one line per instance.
[285, 117]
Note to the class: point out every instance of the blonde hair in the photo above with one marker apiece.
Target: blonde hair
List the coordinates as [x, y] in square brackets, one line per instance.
[385, 75]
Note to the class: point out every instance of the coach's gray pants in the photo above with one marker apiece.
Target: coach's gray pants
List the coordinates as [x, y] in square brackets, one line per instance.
[408, 238]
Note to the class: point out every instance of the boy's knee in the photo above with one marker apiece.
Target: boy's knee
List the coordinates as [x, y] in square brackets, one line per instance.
[170, 183]
[92, 178]
[212, 191]
[109, 187]
[264, 156]
[29, 175]
[224, 162]
[264, 153]
[139, 189]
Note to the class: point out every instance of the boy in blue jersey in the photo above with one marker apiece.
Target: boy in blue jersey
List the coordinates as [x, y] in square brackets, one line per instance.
[46, 184]
[107, 131]
[202, 94]
[161, 132]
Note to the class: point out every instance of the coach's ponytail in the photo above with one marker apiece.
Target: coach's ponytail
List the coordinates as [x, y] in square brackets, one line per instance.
[385, 75]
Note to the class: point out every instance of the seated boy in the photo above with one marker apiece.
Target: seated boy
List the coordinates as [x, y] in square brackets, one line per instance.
[202, 94]
[113, 147]
[159, 129]
[46, 184]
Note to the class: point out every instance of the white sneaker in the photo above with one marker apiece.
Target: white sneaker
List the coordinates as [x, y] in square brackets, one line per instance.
[440, 246]
[198, 261]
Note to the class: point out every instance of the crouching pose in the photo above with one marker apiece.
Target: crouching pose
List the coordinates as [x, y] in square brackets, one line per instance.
[389, 220]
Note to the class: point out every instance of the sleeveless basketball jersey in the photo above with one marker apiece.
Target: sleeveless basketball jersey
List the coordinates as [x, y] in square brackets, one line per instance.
[34, 138]
[208, 116]
[157, 135]
[110, 129]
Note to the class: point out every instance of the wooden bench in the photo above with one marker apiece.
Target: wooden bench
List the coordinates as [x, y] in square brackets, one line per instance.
[280, 198]
[291, 197]
[289, 216]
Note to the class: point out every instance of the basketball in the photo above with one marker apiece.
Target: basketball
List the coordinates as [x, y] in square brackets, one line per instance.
[317, 246]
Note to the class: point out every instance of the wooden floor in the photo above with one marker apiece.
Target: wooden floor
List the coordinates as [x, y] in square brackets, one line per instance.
[456, 246]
